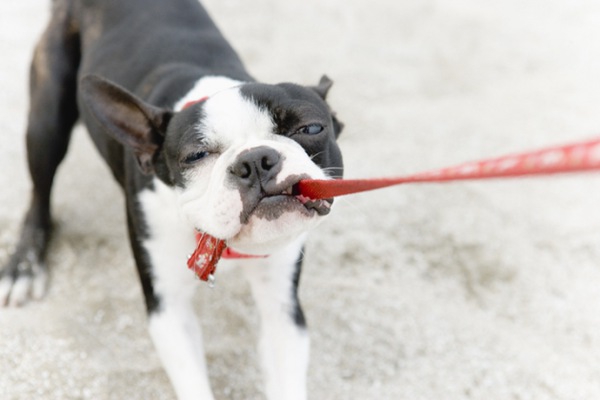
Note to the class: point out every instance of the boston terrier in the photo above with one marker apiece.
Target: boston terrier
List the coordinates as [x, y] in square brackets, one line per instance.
[197, 146]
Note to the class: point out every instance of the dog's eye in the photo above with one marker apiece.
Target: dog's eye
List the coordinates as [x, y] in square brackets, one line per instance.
[312, 129]
[194, 157]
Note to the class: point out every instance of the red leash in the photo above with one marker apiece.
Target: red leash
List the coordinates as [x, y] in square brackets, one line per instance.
[577, 157]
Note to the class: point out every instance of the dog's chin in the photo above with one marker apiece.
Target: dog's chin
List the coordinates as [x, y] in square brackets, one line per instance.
[272, 208]
[277, 221]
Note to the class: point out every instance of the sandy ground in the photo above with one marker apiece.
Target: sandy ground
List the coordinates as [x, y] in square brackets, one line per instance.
[457, 291]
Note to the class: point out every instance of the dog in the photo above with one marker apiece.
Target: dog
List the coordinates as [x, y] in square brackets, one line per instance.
[197, 145]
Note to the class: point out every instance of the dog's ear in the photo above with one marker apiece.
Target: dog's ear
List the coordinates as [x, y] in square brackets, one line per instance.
[323, 87]
[129, 120]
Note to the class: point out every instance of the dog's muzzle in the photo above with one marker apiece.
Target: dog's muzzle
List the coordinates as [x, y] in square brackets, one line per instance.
[255, 173]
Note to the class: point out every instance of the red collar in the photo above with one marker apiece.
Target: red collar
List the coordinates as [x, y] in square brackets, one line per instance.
[191, 103]
[209, 250]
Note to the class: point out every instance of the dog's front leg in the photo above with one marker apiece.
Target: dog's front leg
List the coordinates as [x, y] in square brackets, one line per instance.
[284, 341]
[178, 340]
[168, 288]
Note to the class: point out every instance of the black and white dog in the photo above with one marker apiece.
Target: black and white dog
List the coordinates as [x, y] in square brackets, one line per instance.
[225, 166]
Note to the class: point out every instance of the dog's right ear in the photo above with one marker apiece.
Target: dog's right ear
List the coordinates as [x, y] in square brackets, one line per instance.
[126, 118]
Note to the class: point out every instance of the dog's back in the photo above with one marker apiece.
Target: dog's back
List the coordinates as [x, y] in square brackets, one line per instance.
[136, 43]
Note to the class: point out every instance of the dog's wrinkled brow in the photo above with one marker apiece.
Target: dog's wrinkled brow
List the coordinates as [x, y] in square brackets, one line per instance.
[289, 105]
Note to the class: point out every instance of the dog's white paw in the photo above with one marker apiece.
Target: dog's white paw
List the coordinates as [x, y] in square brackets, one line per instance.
[24, 278]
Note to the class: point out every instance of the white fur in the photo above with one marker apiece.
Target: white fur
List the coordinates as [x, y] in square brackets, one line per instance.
[230, 119]
[177, 337]
[206, 87]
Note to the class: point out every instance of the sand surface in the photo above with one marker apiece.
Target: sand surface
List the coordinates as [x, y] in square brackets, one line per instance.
[457, 291]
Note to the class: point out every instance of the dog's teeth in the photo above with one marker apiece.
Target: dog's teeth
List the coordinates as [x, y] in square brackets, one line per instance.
[303, 199]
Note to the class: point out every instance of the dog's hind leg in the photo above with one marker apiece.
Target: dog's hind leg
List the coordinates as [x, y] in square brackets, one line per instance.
[52, 114]
[284, 342]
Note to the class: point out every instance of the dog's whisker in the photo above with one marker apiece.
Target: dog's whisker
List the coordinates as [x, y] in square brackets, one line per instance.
[313, 156]
[332, 170]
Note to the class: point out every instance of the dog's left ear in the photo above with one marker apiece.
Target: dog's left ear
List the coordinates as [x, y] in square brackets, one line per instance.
[132, 122]
[322, 89]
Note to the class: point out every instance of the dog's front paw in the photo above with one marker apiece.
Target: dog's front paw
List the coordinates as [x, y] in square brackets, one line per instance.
[25, 277]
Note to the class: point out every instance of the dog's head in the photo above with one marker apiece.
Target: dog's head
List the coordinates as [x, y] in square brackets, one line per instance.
[234, 158]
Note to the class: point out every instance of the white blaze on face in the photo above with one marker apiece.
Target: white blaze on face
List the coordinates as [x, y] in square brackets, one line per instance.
[206, 87]
[231, 124]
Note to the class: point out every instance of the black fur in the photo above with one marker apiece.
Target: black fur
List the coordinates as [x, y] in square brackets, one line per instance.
[297, 313]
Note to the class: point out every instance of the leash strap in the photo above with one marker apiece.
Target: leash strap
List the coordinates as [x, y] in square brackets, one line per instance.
[577, 157]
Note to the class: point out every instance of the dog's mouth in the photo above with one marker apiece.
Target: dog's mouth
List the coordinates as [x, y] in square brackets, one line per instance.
[285, 198]
[321, 206]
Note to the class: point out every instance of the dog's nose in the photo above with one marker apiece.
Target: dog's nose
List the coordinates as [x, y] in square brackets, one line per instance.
[256, 165]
